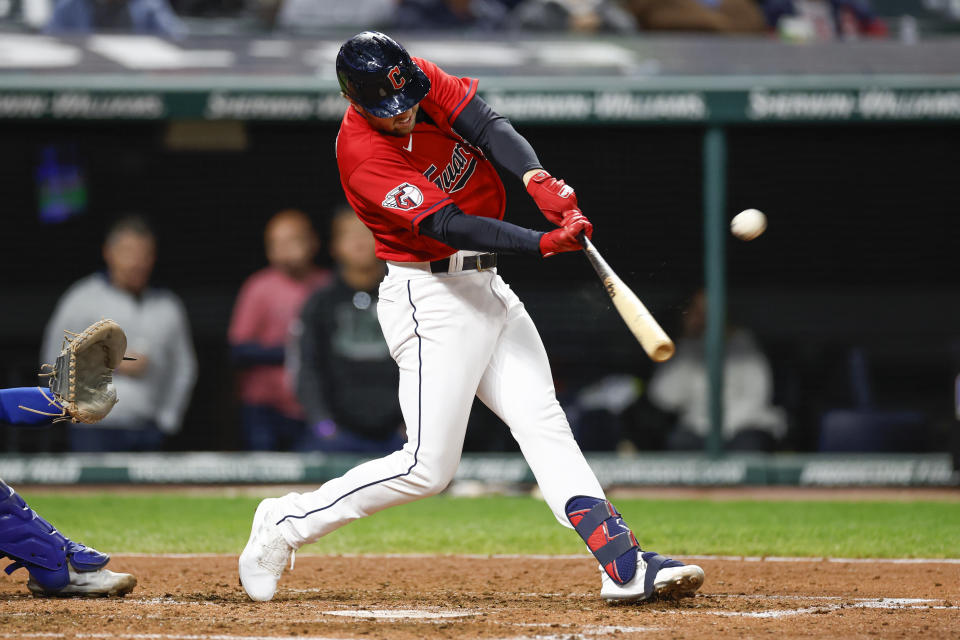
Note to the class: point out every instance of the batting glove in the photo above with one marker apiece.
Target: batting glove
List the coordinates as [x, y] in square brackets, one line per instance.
[567, 237]
[554, 197]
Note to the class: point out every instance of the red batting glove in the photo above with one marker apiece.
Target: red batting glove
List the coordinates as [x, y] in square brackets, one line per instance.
[567, 237]
[554, 197]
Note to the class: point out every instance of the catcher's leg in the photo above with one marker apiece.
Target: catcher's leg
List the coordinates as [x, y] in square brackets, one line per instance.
[57, 565]
[28, 406]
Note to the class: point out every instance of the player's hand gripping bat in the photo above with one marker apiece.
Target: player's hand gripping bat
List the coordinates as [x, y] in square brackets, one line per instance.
[648, 332]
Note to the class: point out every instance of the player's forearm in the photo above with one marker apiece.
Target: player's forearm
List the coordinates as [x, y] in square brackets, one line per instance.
[311, 396]
[183, 377]
[485, 128]
[310, 392]
[312, 348]
[39, 409]
[249, 354]
[456, 229]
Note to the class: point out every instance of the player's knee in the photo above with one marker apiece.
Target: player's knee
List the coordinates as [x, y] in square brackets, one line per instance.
[437, 485]
[431, 479]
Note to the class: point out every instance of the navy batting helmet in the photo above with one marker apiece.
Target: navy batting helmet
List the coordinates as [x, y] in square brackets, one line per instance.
[377, 73]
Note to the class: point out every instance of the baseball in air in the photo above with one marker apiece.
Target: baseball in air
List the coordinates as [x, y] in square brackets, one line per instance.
[748, 224]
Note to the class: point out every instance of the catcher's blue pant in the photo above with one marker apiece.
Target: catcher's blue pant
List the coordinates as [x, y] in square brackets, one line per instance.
[11, 401]
[25, 537]
[33, 543]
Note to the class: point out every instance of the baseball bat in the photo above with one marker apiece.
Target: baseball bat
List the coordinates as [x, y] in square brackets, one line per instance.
[638, 319]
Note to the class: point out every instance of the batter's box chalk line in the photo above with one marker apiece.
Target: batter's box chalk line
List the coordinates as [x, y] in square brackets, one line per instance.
[589, 629]
[401, 614]
[898, 604]
[825, 604]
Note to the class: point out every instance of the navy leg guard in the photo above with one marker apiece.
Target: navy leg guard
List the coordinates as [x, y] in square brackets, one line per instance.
[606, 535]
[32, 542]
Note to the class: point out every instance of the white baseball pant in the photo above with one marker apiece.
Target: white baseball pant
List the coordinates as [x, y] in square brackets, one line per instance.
[453, 335]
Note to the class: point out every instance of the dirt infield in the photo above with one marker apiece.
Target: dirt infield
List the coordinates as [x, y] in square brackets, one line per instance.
[516, 598]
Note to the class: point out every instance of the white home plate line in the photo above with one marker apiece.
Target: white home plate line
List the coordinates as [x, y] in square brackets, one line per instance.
[170, 601]
[400, 614]
[590, 629]
[900, 604]
[745, 596]
[580, 633]
[552, 636]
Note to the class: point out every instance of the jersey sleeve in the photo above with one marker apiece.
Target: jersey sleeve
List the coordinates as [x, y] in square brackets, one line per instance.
[449, 93]
[395, 190]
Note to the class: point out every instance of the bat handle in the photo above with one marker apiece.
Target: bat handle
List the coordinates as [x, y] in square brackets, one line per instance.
[585, 241]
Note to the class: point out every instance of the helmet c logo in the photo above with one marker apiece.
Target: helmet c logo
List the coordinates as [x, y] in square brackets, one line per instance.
[396, 78]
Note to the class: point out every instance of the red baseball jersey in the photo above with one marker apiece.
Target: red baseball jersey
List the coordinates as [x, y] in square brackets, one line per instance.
[395, 183]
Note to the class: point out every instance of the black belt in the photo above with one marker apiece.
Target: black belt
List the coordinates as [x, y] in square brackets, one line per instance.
[479, 262]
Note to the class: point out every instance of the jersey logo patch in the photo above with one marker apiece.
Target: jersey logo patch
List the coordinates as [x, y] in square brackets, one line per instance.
[403, 197]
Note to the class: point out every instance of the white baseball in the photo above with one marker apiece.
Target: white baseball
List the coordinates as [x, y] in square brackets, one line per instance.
[748, 224]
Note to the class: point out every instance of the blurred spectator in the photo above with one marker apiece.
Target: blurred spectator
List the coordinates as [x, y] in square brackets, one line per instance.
[154, 17]
[266, 307]
[954, 430]
[601, 413]
[34, 13]
[155, 388]
[823, 19]
[311, 15]
[209, 8]
[717, 16]
[347, 379]
[750, 421]
[858, 423]
[477, 15]
[585, 16]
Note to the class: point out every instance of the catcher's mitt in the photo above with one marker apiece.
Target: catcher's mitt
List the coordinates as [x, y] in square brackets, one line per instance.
[81, 380]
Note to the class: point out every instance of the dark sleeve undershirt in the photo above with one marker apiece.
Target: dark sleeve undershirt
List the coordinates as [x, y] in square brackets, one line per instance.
[249, 354]
[454, 228]
[493, 134]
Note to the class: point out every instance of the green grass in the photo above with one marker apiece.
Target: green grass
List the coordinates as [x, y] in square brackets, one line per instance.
[172, 523]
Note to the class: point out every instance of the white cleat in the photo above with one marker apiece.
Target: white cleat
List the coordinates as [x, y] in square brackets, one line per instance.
[265, 556]
[102, 582]
[675, 581]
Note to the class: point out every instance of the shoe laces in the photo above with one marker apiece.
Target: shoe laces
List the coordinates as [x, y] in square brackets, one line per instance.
[275, 554]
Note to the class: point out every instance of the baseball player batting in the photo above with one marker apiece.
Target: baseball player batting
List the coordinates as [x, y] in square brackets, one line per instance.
[414, 153]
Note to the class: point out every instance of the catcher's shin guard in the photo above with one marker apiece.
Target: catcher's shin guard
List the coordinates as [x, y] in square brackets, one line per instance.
[32, 543]
[28, 406]
[606, 535]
